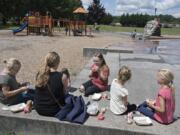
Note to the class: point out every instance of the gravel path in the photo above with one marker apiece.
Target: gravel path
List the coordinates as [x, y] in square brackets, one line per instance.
[30, 50]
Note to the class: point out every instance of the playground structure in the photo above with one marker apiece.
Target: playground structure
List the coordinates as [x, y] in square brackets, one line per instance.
[45, 24]
[37, 24]
[40, 25]
[73, 26]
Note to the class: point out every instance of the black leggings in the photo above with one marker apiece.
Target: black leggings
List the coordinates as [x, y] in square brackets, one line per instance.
[90, 88]
[130, 108]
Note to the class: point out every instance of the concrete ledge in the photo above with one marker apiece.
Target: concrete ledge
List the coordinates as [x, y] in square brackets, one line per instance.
[89, 52]
[24, 126]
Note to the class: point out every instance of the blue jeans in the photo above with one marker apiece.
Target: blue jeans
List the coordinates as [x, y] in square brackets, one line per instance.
[144, 109]
[22, 97]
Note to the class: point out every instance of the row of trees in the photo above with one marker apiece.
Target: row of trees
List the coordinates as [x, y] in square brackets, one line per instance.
[18, 8]
[58, 8]
[137, 20]
[169, 19]
[140, 20]
[64, 9]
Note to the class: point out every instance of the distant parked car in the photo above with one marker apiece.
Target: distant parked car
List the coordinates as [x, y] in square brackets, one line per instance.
[166, 25]
[116, 24]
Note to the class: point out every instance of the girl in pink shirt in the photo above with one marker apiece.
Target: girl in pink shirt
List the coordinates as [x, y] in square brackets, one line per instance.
[162, 108]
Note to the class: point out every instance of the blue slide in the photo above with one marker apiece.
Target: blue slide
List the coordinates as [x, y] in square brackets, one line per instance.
[21, 28]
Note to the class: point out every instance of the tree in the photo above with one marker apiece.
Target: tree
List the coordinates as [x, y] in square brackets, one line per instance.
[18, 8]
[5, 9]
[107, 19]
[140, 20]
[96, 12]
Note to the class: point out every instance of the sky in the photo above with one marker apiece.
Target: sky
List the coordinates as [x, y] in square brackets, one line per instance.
[118, 7]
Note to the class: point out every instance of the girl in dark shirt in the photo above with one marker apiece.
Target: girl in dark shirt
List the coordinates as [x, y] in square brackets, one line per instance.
[49, 96]
[12, 92]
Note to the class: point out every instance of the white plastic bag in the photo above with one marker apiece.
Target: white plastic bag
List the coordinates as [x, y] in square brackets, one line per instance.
[17, 108]
[143, 121]
[14, 108]
[93, 109]
[96, 96]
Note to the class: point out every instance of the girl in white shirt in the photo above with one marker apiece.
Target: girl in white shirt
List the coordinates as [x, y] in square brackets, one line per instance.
[119, 94]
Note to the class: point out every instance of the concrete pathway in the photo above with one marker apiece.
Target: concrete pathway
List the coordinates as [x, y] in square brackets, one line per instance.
[142, 85]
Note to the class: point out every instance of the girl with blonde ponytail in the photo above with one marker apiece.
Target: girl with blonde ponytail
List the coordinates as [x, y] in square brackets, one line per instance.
[51, 62]
[49, 87]
[162, 109]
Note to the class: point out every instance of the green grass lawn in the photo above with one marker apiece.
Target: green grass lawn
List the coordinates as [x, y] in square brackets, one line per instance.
[3, 27]
[108, 28]
[8, 27]
[164, 31]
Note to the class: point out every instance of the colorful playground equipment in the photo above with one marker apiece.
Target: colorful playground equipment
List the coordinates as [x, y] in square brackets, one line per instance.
[37, 24]
[21, 28]
[75, 27]
[40, 25]
[78, 27]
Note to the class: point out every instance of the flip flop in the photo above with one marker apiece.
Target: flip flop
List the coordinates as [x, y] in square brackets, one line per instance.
[101, 116]
[27, 109]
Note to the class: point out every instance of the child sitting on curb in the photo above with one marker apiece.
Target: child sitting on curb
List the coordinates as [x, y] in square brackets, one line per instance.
[119, 94]
[162, 109]
[12, 92]
[98, 77]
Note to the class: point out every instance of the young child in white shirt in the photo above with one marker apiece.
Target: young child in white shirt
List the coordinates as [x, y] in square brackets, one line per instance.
[119, 94]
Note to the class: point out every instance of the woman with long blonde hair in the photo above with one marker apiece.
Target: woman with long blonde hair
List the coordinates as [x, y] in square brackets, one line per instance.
[49, 95]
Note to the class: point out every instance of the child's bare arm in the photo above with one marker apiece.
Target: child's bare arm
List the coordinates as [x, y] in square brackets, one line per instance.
[104, 74]
[125, 99]
[10, 93]
[160, 108]
[65, 81]
[150, 101]
[90, 73]
[93, 69]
